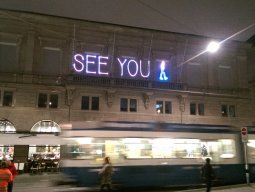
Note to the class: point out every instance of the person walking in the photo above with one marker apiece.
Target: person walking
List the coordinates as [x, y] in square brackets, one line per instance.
[207, 174]
[5, 176]
[13, 170]
[106, 175]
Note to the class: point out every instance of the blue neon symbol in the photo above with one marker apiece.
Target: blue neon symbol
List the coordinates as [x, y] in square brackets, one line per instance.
[162, 75]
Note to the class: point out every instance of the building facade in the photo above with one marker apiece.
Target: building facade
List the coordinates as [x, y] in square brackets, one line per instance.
[57, 69]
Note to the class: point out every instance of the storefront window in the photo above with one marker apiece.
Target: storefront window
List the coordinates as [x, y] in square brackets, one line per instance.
[6, 126]
[46, 126]
[6, 152]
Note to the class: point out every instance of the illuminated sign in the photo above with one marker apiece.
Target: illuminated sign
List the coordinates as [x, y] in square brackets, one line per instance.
[99, 65]
[162, 75]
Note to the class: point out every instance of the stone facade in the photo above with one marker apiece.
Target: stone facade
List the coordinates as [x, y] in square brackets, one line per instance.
[36, 56]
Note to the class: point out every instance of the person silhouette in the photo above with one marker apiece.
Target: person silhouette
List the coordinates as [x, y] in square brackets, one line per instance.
[207, 174]
[106, 175]
[162, 71]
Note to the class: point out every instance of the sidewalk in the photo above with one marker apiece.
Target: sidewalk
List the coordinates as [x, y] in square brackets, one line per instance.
[44, 182]
[231, 188]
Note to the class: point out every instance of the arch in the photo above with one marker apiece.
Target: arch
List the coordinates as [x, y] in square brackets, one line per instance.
[6, 126]
[46, 126]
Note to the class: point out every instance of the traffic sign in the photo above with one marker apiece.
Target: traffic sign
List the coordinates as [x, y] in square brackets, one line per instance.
[244, 134]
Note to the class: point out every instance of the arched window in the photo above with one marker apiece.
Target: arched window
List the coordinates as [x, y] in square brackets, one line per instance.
[46, 126]
[6, 126]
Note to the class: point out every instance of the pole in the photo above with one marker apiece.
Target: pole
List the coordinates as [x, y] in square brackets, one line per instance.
[246, 164]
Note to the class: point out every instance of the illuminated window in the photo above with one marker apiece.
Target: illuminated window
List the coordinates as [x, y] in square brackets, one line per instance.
[46, 126]
[47, 100]
[164, 107]
[197, 109]
[90, 103]
[228, 110]
[6, 126]
[128, 105]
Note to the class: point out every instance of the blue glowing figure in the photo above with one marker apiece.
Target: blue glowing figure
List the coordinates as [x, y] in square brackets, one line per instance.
[162, 75]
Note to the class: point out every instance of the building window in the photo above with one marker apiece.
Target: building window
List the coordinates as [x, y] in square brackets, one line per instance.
[197, 108]
[201, 109]
[46, 126]
[47, 100]
[128, 105]
[8, 57]
[90, 103]
[95, 103]
[228, 110]
[133, 105]
[193, 108]
[6, 98]
[164, 107]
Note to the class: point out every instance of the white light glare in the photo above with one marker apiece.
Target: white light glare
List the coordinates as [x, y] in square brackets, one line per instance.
[213, 47]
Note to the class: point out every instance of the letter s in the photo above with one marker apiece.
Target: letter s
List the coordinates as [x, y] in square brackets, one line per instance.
[76, 59]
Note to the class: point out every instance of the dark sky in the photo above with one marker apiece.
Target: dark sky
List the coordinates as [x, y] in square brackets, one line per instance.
[211, 18]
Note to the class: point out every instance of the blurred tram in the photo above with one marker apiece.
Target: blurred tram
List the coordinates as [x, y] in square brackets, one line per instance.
[155, 154]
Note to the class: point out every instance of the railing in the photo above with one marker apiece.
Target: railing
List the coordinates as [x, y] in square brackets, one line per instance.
[117, 82]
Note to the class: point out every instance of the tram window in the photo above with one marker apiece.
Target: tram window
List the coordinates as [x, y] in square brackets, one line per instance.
[149, 148]
[227, 148]
[251, 148]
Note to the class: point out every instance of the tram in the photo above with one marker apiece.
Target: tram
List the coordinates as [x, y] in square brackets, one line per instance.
[155, 154]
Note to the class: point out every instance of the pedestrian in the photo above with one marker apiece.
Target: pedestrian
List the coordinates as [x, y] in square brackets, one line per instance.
[207, 174]
[5, 176]
[13, 170]
[106, 175]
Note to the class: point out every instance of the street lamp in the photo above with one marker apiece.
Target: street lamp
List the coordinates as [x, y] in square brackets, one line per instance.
[213, 47]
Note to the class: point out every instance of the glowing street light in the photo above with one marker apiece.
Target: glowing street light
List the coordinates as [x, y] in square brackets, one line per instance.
[213, 47]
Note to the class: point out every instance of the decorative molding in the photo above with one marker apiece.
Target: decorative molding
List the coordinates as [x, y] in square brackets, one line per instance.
[146, 99]
[69, 95]
[109, 97]
[182, 101]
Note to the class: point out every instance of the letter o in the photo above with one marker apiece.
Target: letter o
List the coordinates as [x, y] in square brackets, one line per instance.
[136, 64]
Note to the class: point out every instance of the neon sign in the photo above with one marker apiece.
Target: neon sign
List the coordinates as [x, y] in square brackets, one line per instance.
[99, 65]
[162, 75]
[90, 61]
[137, 68]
